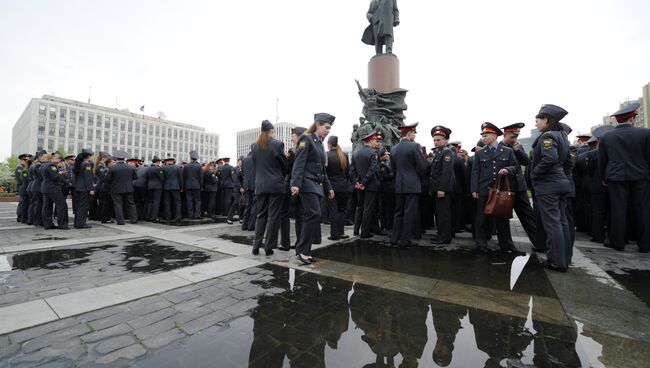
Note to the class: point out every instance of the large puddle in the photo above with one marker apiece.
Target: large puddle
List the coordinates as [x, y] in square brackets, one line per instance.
[458, 265]
[308, 320]
[637, 281]
[239, 239]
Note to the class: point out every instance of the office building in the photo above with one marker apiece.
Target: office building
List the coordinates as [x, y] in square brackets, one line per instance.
[54, 123]
[247, 137]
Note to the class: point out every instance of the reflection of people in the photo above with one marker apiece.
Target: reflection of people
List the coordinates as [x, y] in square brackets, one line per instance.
[383, 15]
[446, 322]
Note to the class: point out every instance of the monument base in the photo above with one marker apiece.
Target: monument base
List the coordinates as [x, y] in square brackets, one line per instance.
[383, 72]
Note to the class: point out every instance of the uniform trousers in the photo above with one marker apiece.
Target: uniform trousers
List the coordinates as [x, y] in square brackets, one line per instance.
[49, 200]
[225, 200]
[456, 211]
[154, 203]
[36, 208]
[83, 206]
[482, 227]
[212, 203]
[141, 198]
[620, 192]
[250, 212]
[124, 206]
[172, 205]
[24, 216]
[386, 209]
[268, 220]
[552, 213]
[526, 216]
[234, 205]
[600, 209]
[311, 213]
[105, 207]
[367, 212]
[444, 221]
[19, 208]
[406, 205]
[193, 198]
[336, 208]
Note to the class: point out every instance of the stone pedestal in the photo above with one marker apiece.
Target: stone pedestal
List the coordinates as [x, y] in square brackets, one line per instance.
[383, 72]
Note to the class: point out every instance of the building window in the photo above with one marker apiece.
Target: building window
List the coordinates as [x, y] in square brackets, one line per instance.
[130, 140]
[51, 131]
[99, 121]
[50, 144]
[115, 123]
[62, 129]
[52, 112]
[70, 148]
[90, 135]
[107, 122]
[122, 125]
[80, 134]
[73, 116]
[39, 143]
[114, 138]
[79, 147]
[122, 139]
[42, 110]
[157, 130]
[41, 127]
[71, 132]
[130, 127]
[137, 127]
[63, 114]
[91, 119]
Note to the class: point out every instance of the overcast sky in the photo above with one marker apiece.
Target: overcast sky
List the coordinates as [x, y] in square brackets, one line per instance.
[222, 64]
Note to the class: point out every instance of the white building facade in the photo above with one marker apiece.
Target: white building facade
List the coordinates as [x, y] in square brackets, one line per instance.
[247, 137]
[54, 123]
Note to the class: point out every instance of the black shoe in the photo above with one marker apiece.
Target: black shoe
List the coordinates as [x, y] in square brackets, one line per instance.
[284, 248]
[643, 251]
[316, 242]
[268, 252]
[256, 251]
[304, 260]
[333, 238]
[516, 252]
[483, 250]
[121, 223]
[538, 250]
[553, 267]
[379, 232]
[64, 228]
[108, 222]
[355, 233]
[594, 240]
[292, 247]
[609, 245]
[241, 221]
[344, 236]
[86, 226]
[366, 236]
[439, 242]
[312, 259]
[49, 228]
[229, 222]
[154, 221]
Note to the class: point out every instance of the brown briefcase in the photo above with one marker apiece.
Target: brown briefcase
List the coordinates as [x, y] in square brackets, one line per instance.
[500, 201]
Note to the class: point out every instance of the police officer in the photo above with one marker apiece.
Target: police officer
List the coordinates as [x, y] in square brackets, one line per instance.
[36, 206]
[20, 174]
[141, 195]
[386, 190]
[338, 174]
[227, 185]
[192, 185]
[522, 208]
[211, 183]
[105, 203]
[271, 166]
[490, 162]
[442, 183]
[407, 164]
[84, 187]
[551, 184]
[120, 177]
[458, 198]
[598, 194]
[365, 175]
[235, 175]
[624, 164]
[290, 203]
[309, 181]
[52, 183]
[155, 181]
[172, 190]
[248, 184]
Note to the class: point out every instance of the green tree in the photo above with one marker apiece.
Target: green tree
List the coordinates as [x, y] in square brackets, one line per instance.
[63, 152]
[7, 179]
[12, 161]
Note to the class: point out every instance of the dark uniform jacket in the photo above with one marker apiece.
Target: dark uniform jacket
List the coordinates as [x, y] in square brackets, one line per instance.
[226, 176]
[270, 167]
[459, 173]
[340, 179]
[211, 180]
[237, 178]
[173, 177]
[569, 166]
[18, 175]
[69, 175]
[249, 174]
[100, 173]
[155, 177]
[36, 180]
[84, 178]
[624, 154]
[593, 182]
[518, 181]
[442, 170]
[141, 177]
[407, 164]
[365, 168]
[193, 176]
[52, 181]
[581, 172]
[550, 155]
[486, 167]
[120, 177]
[387, 178]
[308, 172]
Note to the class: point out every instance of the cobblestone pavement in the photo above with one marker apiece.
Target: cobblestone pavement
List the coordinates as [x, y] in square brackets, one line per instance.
[362, 303]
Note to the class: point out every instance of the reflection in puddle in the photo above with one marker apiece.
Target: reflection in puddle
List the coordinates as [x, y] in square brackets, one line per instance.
[239, 239]
[317, 321]
[636, 281]
[458, 265]
[55, 258]
[191, 222]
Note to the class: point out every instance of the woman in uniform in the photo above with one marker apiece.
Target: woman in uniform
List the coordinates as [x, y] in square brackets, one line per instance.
[338, 174]
[52, 183]
[83, 186]
[211, 184]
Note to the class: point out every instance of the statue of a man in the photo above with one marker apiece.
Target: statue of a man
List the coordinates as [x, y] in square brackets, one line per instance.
[383, 15]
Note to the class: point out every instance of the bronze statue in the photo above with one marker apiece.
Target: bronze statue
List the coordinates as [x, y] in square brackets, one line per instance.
[384, 111]
[383, 15]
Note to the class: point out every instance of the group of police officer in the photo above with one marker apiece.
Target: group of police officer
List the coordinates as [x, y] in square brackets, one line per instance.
[600, 186]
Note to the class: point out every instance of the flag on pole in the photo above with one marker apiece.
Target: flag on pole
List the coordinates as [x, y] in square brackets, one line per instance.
[142, 108]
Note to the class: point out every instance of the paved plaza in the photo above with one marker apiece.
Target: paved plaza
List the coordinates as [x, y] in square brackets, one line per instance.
[155, 295]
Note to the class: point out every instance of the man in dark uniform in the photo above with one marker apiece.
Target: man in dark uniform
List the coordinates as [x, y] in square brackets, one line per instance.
[386, 190]
[227, 187]
[172, 190]
[365, 175]
[522, 208]
[442, 183]
[36, 204]
[598, 194]
[120, 177]
[141, 196]
[248, 184]
[155, 183]
[69, 181]
[53, 181]
[624, 164]
[84, 188]
[490, 162]
[582, 143]
[235, 175]
[20, 174]
[457, 199]
[192, 185]
[309, 182]
[407, 164]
